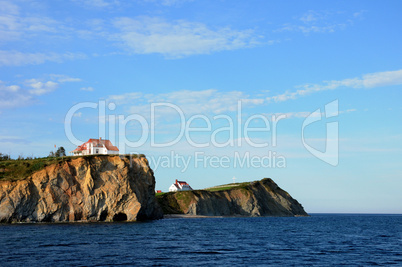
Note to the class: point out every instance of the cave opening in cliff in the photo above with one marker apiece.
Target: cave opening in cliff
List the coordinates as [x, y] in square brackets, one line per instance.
[120, 217]
[103, 216]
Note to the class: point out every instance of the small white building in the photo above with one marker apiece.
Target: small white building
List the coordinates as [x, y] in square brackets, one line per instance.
[180, 186]
[95, 146]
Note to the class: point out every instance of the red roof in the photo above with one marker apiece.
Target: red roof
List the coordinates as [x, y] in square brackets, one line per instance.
[97, 143]
[179, 184]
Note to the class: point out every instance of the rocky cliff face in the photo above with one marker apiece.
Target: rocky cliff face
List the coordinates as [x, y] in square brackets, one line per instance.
[91, 188]
[261, 198]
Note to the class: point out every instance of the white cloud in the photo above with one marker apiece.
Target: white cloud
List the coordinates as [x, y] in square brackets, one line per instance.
[300, 114]
[253, 101]
[39, 24]
[320, 22]
[174, 2]
[347, 111]
[209, 101]
[17, 96]
[305, 114]
[311, 29]
[22, 24]
[147, 35]
[98, 3]
[168, 2]
[125, 98]
[378, 79]
[10, 88]
[359, 14]
[64, 78]
[15, 100]
[16, 58]
[313, 16]
[8, 21]
[89, 89]
[15, 24]
[382, 79]
[7, 7]
[290, 115]
[310, 16]
[141, 35]
[206, 101]
[40, 88]
[13, 96]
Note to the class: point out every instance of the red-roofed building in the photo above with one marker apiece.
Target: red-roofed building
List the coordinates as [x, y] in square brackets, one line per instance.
[95, 146]
[180, 186]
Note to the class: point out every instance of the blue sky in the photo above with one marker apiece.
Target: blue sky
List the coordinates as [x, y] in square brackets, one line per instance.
[203, 60]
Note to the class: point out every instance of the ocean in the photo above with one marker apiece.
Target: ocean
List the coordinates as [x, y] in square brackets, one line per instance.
[319, 240]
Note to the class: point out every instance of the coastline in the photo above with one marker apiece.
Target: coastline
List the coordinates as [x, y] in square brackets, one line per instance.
[187, 216]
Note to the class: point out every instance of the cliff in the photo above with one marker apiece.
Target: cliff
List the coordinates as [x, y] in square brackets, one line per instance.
[90, 188]
[261, 198]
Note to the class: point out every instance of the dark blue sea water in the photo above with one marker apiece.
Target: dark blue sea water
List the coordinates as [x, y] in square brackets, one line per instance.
[322, 239]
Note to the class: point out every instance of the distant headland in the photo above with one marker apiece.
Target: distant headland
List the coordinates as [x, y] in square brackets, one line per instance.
[259, 198]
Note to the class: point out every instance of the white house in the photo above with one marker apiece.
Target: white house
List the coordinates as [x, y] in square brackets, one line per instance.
[95, 146]
[180, 186]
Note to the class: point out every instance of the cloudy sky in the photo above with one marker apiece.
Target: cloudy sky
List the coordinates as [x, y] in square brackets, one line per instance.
[305, 92]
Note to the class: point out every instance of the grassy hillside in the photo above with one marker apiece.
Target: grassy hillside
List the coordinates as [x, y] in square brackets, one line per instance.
[226, 187]
[21, 169]
[169, 201]
[257, 198]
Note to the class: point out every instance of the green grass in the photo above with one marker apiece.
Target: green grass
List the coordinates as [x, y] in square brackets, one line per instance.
[168, 203]
[175, 202]
[227, 187]
[220, 188]
[12, 170]
[185, 197]
[20, 169]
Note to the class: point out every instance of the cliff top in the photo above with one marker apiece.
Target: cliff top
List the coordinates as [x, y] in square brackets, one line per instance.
[13, 170]
[224, 187]
[228, 186]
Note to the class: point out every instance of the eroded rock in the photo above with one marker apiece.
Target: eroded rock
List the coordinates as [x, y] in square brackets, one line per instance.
[261, 198]
[91, 188]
